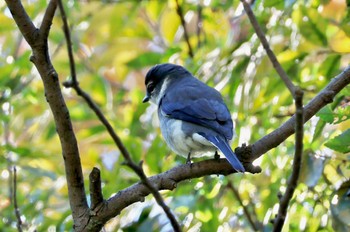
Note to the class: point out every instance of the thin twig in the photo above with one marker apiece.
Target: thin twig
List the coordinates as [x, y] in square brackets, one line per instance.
[183, 23]
[255, 226]
[66, 31]
[293, 181]
[267, 48]
[137, 168]
[15, 204]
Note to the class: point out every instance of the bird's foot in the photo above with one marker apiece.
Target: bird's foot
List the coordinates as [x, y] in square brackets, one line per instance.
[216, 156]
[188, 160]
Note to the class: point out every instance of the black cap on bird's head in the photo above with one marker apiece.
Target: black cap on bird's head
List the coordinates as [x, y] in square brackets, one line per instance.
[158, 73]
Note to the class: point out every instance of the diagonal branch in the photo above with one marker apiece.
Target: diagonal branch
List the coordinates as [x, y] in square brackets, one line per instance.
[267, 48]
[24, 23]
[136, 168]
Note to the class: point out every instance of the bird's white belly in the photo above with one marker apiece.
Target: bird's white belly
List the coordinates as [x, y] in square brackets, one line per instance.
[182, 143]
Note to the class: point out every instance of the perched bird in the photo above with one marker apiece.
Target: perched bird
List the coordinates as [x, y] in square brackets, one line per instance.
[193, 117]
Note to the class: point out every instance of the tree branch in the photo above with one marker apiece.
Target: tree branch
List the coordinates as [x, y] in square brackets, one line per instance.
[164, 181]
[267, 48]
[136, 168]
[293, 181]
[24, 23]
[38, 42]
[183, 23]
[47, 20]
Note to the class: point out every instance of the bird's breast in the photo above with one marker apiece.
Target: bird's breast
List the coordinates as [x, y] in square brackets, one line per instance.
[183, 138]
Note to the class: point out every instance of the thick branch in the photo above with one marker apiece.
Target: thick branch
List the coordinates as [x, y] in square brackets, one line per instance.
[24, 23]
[38, 42]
[167, 180]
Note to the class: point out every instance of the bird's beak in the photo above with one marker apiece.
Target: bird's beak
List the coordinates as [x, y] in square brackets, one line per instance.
[146, 98]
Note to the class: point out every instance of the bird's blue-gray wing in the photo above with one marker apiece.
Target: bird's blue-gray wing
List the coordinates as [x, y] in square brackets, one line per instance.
[198, 104]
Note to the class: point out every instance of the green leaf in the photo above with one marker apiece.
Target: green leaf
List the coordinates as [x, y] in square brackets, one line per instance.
[318, 130]
[326, 114]
[330, 67]
[340, 143]
[311, 25]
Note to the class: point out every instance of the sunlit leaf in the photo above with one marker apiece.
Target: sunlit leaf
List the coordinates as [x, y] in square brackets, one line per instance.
[326, 114]
[311, 25]
[340, 143]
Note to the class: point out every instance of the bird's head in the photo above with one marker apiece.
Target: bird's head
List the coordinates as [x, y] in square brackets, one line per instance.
[158, 79]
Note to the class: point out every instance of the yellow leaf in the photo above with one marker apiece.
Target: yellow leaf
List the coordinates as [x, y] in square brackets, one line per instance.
[340, 42]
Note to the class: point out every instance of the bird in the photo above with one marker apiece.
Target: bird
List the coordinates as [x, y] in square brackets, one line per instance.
[194, 119]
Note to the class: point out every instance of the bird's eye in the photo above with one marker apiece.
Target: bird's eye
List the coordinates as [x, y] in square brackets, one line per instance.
[150, 87]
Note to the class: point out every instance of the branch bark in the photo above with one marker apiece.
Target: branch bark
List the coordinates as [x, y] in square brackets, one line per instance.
[37, 39]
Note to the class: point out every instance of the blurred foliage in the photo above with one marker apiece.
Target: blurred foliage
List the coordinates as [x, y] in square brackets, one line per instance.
[115, 43]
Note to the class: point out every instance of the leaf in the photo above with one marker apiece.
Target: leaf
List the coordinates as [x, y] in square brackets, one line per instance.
[170, 23]
[311, 25]
[340, 143]
[326, 114]
[330, 66]
[340, 42]
[312, 169]
[318, 130]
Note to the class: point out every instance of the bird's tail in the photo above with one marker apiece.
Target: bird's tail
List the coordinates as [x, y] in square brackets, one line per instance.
[224, 147]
